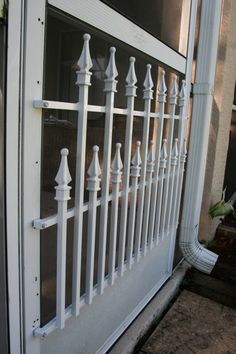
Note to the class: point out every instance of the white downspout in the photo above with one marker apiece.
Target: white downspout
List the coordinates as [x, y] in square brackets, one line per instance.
[192, 250]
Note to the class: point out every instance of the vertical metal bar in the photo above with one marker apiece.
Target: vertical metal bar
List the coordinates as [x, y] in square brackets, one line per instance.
[110, 89]
[150, 169]
[62, 196]
[173, 99]
[131, 80]
[147, 95]
[94, 172]
[173, 179]
[135, 174]
[181, 132]
[116, 180]
[183, 157]
[83, 81]
[163, 159]
[161, 100]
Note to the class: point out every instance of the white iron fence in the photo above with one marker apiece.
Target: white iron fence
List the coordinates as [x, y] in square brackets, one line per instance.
[151, 185]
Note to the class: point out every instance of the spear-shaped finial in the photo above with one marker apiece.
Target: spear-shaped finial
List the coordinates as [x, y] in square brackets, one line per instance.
[182, 94]
[85, 62]
[111, 73]
[117, 162]
[174, 152]
[94, 168]
[162, 88]
[148, 83]
[111, 70]
[63, 176]
[162, 85]
[94, 172]
[131, 79]
[183, 152]
[136, 161]
[174, 90]
[151, 155]
[116, 165]
[164, 154]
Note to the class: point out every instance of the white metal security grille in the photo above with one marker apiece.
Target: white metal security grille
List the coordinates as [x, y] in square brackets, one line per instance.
[151, 185]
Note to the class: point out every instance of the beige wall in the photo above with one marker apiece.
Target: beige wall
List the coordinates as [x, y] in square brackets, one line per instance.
[221, 118]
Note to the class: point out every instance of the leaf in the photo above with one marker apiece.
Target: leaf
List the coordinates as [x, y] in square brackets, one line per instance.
[222, 209]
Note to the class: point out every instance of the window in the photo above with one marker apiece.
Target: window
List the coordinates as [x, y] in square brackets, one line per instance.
[166, 20]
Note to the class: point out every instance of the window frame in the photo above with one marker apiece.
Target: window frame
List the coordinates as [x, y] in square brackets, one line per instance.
[103, 17]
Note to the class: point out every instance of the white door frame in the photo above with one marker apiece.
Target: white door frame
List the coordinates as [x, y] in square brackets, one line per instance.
[13, 171]
[22, 120]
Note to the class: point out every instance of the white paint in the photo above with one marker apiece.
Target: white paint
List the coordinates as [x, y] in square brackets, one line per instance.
[198, 256]
[101, 16]
[94, 172]
[31, 169]
[131, 80]
[174, 158]
[161, 100]
[163, 159]
[62, 196]
[47, 104]
[134, 174]
[114, 310]
[188, 79]
[116, 180]
[147, 96]
[133, 295]
[13, 131]
[181, 146]
[110, 89]
[83, 81]
[149, 172]
[173, 101]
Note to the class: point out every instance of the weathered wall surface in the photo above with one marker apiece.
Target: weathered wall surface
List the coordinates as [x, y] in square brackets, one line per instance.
[221, 118]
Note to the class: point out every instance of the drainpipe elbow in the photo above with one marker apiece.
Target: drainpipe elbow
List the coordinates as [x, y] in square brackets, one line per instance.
[195, 254]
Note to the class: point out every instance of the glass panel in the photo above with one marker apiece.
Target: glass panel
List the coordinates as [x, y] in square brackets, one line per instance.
[63, 48]
[166, 20]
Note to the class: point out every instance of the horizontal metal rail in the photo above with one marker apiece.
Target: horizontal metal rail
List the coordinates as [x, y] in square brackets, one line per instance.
[42, 224]
[67, 106]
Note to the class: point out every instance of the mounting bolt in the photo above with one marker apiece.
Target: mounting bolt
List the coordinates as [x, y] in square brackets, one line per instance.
[45, 104]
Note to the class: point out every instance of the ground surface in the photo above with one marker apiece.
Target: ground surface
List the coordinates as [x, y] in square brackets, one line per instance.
[194, 324]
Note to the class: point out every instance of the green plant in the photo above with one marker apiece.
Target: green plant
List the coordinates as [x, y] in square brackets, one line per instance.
[223, 208]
